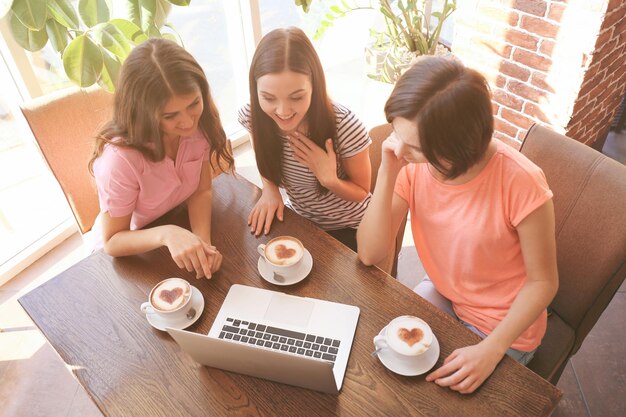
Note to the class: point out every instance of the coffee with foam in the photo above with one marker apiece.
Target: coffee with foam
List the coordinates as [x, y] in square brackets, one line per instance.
[284, 251]
[409, 335]
[170, 295]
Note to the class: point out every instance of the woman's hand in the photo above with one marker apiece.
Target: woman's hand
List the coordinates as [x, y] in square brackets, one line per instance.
[262, 215]
[467, 368]
[389, 156]
[191, 253]
[323, 164]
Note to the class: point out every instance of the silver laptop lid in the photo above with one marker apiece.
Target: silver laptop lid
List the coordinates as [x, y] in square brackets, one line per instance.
[271, 326]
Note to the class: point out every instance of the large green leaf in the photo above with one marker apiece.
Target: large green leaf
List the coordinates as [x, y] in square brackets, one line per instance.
[57, 34]
[31, 40]
[94, 11]
[111, 38]
[110, 71]
[5, 6]
[142, 12]
[64, 13]
[82, 61]
[32, 13]
[180, 2]
[130, 30]
[162, 11]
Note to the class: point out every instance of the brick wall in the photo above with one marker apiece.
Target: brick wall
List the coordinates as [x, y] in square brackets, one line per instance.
[559, 63]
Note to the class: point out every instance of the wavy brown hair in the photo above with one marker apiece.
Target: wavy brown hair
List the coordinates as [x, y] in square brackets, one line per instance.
[154, 72]
[281, 50]
[451, 105]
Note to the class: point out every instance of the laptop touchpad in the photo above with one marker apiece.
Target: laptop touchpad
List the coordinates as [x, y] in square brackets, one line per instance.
[290, 310]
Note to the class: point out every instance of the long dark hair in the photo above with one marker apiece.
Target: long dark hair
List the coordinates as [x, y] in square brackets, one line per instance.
[451, 105]
[154, 72]
[281, 50]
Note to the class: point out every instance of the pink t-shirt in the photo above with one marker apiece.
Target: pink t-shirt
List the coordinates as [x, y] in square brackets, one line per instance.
[465, 236]
[128, 182]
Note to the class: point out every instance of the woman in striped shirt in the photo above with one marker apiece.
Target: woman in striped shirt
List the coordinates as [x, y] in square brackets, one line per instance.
[314, 148]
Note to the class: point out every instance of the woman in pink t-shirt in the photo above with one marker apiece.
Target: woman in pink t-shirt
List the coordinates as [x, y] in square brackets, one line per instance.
[481, 215]
[156, 153]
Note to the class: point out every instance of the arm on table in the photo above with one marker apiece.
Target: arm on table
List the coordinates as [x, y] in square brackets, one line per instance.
[385, 212]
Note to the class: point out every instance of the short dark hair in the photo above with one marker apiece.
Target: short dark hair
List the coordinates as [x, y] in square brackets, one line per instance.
[451, 105]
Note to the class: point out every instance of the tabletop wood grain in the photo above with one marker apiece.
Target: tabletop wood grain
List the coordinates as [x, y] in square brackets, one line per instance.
[90, 315]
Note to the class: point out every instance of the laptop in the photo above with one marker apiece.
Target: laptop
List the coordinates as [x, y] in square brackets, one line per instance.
[298, 341]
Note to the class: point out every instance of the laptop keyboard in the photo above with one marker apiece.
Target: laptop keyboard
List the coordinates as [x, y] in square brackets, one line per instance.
[280, 339]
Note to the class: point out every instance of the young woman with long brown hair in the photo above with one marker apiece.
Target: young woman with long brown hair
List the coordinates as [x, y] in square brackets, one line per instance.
[314, 148]
[481, 215]
[156, 153]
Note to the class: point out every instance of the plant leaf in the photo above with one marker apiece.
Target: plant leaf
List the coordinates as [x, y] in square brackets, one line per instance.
[110, 71]
[57, 33]
[94, 11]
[112, 39]
[180, 2]
[32, 13]
[130, 30]
[64, 13]
[31, 40]
[82, 61]
[142, 13]
[162, 11]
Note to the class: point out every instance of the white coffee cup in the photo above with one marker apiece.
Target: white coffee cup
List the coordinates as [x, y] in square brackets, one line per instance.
[169, 299]
[282, 254]
[407, 337]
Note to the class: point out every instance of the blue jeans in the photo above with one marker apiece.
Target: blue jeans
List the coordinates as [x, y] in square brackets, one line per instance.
[427, 290]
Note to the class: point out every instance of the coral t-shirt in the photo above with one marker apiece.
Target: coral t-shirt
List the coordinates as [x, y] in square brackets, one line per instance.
[466, 238]
[128, 182]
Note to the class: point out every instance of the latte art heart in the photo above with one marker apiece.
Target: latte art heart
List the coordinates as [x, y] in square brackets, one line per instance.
[283, 252]
[169, 296]
[410, 337]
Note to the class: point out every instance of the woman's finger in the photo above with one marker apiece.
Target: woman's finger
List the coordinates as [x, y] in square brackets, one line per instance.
[217, 262]
[188, 264]
[254, 219]
[260, 221]
[269, 217]
[205, 263]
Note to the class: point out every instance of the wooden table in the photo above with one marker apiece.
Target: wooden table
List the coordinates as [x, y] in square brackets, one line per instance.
[90, 314]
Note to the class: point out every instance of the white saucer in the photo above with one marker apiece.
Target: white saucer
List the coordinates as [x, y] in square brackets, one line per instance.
[160, 323]
[296, 276]
[413, 368]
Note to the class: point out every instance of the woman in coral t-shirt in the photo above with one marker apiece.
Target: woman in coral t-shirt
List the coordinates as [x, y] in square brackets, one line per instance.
[481, 215]
[155, 154]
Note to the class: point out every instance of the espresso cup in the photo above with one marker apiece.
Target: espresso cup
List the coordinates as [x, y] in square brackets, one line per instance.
[282, 254]
[407, 337]
[169, 299]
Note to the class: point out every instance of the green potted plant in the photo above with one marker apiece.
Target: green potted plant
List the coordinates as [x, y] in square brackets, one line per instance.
[92, 45]
[411, 29]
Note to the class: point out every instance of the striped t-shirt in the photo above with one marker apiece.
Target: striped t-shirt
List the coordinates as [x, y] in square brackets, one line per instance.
[328, 210]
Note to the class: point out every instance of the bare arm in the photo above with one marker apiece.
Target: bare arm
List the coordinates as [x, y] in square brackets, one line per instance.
[385, 212]
[356, 186]
[199, 206]
[467, 368]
